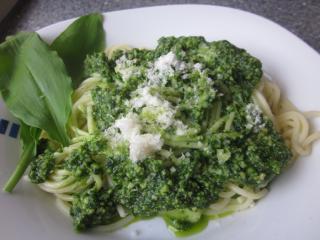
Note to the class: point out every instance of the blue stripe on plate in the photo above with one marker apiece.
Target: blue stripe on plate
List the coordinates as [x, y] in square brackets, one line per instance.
[3, 126]
[14, 130]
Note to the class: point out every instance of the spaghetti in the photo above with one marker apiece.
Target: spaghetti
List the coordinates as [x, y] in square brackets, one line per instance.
[293, 125]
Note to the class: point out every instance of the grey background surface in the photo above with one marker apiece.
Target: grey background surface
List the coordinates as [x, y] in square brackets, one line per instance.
[302, 17]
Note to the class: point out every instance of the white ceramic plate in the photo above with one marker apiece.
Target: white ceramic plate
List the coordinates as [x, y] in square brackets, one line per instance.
[290, 211]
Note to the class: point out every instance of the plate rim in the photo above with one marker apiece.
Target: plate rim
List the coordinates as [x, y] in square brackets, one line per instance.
[191, 5]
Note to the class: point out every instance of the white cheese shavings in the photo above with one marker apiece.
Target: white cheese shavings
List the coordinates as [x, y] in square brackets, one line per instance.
[140, 145]
[202, 71]
[145, 98]
[181, 129]
[254, 117]
[163, 110]
[165, 62]
[143, 145]
[198, 67]
[166, 118]
[128, 125]
[163, 68]
[185, 76]
[210, 81]
[126, 68]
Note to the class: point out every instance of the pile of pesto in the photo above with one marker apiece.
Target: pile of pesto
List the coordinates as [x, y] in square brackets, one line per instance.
[173, 126]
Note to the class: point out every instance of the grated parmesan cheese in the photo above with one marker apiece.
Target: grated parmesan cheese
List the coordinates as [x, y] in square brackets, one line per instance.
[140, 145]
[128, 125]
[113, 135]
[164, 111]
[163, 68]
[166, 118]
[143, 145]
[198, 67]
[128, 128]
[126, 68]
[145, 98]
[181, 129]
[254, 117]
[165, 62]
[210, 81]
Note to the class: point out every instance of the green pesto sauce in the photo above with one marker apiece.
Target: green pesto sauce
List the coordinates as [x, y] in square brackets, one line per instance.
[196, 227]
[190, 98]
[193, 229]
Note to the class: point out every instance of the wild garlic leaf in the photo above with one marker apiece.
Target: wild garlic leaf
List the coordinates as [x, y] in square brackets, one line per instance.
[35, 85]
[29, 137]
[83, 37]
